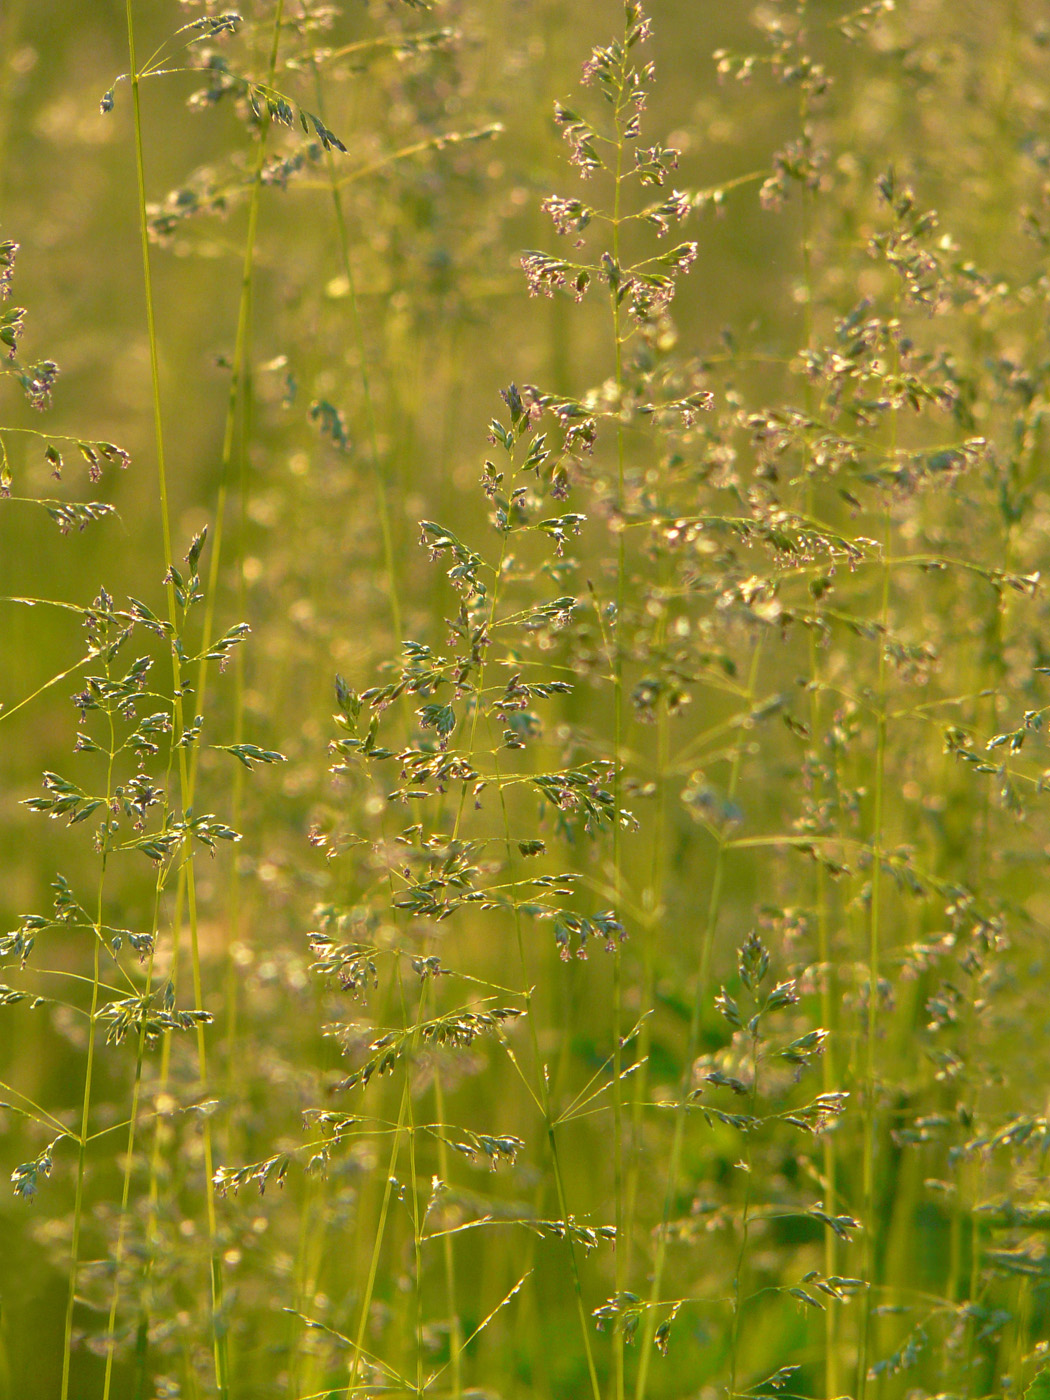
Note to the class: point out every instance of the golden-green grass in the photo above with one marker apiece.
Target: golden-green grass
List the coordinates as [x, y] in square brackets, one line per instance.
[544, 887]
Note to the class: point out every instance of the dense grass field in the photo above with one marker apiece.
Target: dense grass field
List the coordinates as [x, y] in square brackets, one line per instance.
[524, 673]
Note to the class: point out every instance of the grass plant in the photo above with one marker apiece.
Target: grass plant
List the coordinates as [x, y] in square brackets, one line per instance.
[634, 986]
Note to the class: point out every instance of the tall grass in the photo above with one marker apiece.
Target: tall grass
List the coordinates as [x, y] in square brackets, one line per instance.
[634, 986]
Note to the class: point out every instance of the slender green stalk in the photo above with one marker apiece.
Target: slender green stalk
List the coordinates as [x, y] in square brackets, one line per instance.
[379, 480]
[85, 1108]
[405, 1126]
[745, 1221]
[125, 1197]
[448, 1254]
[239, 372]
[417, 1233]
[874, 960]
[653, 907]
[546, 1108]
[871, 1088]
[219, 1341]
[618, 720]
[309, 1257]
[136, 1095]
[828, 999]
[393, 596]
[237, 409]
[218, 1321]
[829, 1072]
[373, 1268]
[829, 1078]
[563, 1207]
[394, 602]
[700, 998]
[157, 1147]
[543, 1098]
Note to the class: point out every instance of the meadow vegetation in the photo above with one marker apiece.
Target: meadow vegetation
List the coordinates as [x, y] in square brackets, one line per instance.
[523, 699]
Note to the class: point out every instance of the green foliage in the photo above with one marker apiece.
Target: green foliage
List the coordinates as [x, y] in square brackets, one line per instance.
[633, 988]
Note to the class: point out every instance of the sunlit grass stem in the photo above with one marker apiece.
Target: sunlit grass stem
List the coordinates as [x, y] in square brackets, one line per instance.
[541, 1096]
[700, 999]
[871, 1085]
[89, 1067]
[129, 1152]
[822, 885]
[618, 724]
[747, 1165]
[219, 1341]
[382, 501]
